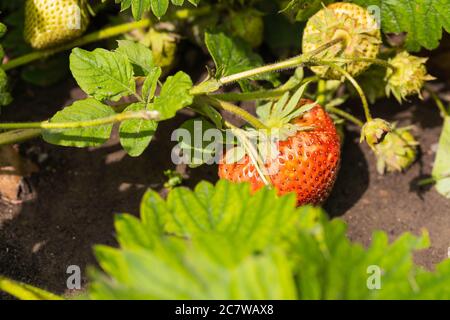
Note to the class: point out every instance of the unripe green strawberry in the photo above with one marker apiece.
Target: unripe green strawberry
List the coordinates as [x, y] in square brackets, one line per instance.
[397, 151]
[52, 22]
[374, 131]
[409, 76]
[360, 31]
[247, 25]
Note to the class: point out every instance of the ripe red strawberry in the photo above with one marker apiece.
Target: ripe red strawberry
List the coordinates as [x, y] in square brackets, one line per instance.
[308, 160]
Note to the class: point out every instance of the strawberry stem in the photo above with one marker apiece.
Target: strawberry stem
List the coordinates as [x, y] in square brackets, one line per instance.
[16, 136]
[345, 115]
[286, 64]
[260, 95]
[241, 113]
[443, 111]
[379, 62]
[145, 115]
[89, 38]
[352, 81]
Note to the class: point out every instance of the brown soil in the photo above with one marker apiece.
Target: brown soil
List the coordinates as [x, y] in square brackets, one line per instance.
[79, 191]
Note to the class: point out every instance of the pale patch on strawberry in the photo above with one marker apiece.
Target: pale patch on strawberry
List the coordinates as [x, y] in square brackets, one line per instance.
[49, 23]
[360, 33]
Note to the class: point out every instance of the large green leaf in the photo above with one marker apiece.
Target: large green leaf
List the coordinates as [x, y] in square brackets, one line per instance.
[174, 95]
[158, 7]
[82, 110]
[103, 74]
[199, 140]
[423, 20]
[232, 55]
[441, 169]
[136, 134]
[181, 271]
[199, 245]
[138, 54]
[25, 291]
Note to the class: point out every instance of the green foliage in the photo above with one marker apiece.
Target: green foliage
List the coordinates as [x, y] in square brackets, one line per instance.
[111, 75]
[139, 55]
[423, 20]
[219, 242]
[135, 135]
[103, 74]
[441, 169]
[232, 55]
[174, 95]
[24, 291]
[82, 110]
[158, 7]
[200, 151]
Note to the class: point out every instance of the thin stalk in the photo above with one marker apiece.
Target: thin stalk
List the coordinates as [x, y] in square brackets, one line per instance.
[352, 81]
[258, 95]
[321, 88]
[89, 38]
[16, 136]
[286, 64]
[241, 113]
[379, 62]
[345, 115]
[145, 115]
[439, 104]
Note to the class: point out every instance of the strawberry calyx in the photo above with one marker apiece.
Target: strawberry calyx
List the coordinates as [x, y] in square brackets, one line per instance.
[278, 116]
[262, 145]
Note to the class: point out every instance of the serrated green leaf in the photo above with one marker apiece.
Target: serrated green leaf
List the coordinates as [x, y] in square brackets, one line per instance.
[103, 74]
[82, 110]
[197, 147]
[25, 291]
[136, 134]
[131, 233]
[423, 20]
[138, 54]
[150, 84]
[189, 272]
[138, 7]
[232, 55]
[441, 168]
[159, 7]
[174, 95]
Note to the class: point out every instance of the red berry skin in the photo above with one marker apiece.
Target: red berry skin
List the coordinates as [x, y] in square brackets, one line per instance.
[308, 161]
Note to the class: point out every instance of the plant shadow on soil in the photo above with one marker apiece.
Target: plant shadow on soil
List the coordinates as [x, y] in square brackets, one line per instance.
[79, 191]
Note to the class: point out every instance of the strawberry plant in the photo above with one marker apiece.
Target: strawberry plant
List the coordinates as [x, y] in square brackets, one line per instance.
[269, 249]
[335, 62]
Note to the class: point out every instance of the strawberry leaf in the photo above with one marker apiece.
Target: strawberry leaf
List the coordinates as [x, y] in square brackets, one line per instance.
[423, 20]
[158, 7]
[82, 110]
[441, 169]
[174, 95]
[198, 142]
[138, 54]
[136, 134]
[103, 74]
[232, 55]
